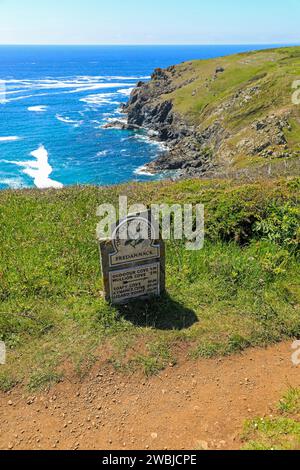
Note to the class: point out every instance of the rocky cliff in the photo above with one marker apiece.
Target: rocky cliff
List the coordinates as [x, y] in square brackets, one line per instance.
[234, 112]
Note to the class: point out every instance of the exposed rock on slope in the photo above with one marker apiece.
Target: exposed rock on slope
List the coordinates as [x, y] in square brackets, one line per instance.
[233, 112]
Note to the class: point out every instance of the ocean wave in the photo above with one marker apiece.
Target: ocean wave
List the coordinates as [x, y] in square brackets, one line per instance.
[143, 171]
[37, 109]
[99, 86]
[123, 120]
[114, 123]
[9, 138]
[122, 77]
[50, 86]
[12, 183]
[100, 99]
[68, 120]
[40, 169]
[119, 111]
[78, 83]
[12, 92]
[103, 153]
[19, 98]
[75, 79]
[126, 91]
[149, 140]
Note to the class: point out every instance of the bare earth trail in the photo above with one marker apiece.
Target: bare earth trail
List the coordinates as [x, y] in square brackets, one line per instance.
[200, 404]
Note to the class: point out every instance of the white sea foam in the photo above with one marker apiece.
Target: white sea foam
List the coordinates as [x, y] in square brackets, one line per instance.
[37, 109]
[75, 79]
[9, 139]
[126, 91]
[103, 153]
[99, 86]
[39, 169]
[68, 120]
[13, 183]
[72, 85]
[115, 123]
[122, 77]
[99, 99]
[25, 97]
[119, 111]
[147, 138]
[78, 84]
[13, 92]
[143, 171]
[123, 120]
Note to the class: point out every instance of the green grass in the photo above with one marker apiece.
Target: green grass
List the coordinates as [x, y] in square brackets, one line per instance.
[272, 434]
[273, 70]
[292, 135]
[290, 403]
[43, 379]
[281, 432]
[253, 86]
[241, 290]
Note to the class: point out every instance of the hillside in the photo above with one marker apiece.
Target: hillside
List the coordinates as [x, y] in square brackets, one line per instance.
[205, 365]
[81, 373]
[229, 115]
[241, 290]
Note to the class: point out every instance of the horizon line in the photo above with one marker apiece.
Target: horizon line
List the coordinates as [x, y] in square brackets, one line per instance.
[153, 45]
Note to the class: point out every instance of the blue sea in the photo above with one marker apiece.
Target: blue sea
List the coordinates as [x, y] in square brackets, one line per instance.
[54, 101]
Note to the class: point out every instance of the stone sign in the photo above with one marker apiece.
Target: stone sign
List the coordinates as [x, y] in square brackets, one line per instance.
[2, 353]
[133, 261]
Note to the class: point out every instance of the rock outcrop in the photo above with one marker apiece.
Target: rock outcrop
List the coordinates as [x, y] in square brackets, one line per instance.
[211, 119]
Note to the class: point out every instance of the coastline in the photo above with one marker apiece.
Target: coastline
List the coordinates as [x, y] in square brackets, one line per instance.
[198, 121]
[212, 141]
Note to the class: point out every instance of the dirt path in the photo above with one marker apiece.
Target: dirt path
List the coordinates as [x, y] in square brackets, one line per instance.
[198, 402]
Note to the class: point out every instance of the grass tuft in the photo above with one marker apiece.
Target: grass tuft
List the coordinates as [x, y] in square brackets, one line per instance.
[277, 432]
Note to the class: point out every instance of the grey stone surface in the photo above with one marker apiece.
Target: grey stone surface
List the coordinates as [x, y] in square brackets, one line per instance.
[2, 353]
[132, 268]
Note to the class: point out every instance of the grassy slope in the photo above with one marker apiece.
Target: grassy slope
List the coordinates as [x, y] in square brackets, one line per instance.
[275, 70]
[204, 99]
[241, 290]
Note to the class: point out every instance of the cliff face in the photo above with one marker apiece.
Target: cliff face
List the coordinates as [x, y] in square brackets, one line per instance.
[233, 112]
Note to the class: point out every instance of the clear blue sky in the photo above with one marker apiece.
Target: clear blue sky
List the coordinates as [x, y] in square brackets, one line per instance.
[149, 21]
